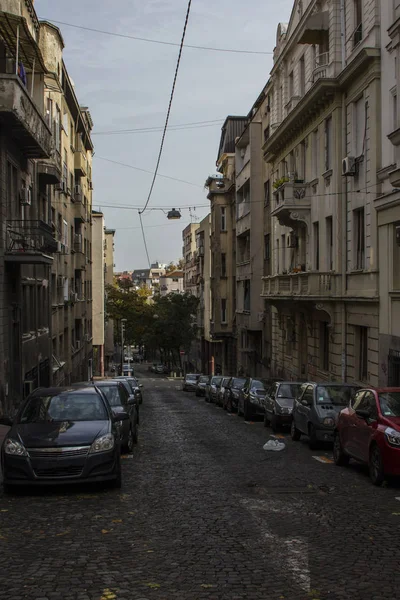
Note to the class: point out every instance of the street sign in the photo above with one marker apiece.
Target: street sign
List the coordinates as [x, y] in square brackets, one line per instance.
[182, 352]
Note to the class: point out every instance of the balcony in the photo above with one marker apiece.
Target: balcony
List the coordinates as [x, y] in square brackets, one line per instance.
[30, 242]
[292, 203]
[302, 286]
[80, 164]
[323, 68]
[23, 118]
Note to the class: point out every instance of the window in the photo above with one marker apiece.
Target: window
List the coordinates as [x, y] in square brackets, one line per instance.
[65, 123]
[316, 245]
[267, 247]
[307, 397]
[246, 295]
[358, 29]
[291, 85]
[301, 173]
[65, 233]
[223, 218]
[396, 257]
[314, 153]
[223, 310]
[223, 265]
[359, 239]
[277, 255]
[329, 243]
[324, 345]
[328, 144]
[57, 129]
[49, 113]
[361, 335]
[359, 126]
[267, 192]
[65, 169]
[302, 76]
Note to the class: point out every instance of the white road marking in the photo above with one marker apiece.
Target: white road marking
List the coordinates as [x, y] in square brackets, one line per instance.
[291, 552]
[324, 459]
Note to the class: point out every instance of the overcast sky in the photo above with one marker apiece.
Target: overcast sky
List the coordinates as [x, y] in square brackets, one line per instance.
[127, 83]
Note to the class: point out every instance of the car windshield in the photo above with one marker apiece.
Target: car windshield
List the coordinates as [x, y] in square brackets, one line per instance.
[289, 390]
[335, 394]
[203, 379]
[64, 407]
[390, 404]
[238, 383]
[225, 381]
[191, 377]
[217, 381]
[111, 392]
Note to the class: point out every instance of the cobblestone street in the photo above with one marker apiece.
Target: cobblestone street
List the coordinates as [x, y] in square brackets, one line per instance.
[205, 513]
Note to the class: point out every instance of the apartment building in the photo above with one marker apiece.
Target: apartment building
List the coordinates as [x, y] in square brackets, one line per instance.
[149, 278]
[109, 235]
[98, 304]
[222, 196]
[323, 151]
[71, 201]
[251, 188]
[171, 283]
[189, 258]
[28, 241]
[203, 353]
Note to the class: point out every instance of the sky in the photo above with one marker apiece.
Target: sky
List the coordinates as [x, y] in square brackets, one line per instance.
[127, 84]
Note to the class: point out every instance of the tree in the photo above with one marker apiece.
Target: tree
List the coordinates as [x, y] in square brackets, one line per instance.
[133, 307]
[175, 267]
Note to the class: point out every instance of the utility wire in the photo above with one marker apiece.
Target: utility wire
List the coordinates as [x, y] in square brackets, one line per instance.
[152, 41]
[169, 106]
[115, 162]
[178, 127]
[144, 238]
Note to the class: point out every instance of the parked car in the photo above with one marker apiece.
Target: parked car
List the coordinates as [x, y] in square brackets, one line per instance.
[161, 369]
[251, 398]
[201, 385]
[316, 410]
[215, 384]
[122, 400]
[368, 430]
[232, 390]
[278, 403]
[62, 435]
[190, 382]
[135, 386]
[127, 370]
[221, 391]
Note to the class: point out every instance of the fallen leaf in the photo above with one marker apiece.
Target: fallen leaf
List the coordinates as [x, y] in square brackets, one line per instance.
[153, 586]
[397, 514]
[206, 585]
[106, 530]
[4, 510]
[150, 551]
[132, 512]
[63, 533]
[117, 521]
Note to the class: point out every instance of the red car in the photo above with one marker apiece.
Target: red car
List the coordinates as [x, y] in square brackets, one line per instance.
[369, 431]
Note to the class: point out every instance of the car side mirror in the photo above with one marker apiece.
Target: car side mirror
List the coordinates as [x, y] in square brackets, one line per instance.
[363, 414]
[140, 385]
[131, 399]
[7, 421]
[121, 416]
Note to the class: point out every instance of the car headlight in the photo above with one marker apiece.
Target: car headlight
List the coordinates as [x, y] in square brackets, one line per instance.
[14, 448]
[328, 422]
[103, 444]
[392, 436]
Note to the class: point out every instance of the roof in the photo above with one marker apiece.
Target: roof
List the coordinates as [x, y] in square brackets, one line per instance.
[141, 273]
[29, 51]
[174, 274]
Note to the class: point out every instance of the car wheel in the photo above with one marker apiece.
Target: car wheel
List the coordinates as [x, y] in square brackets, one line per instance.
[376, 471]
[341, 459]
[266, 420]
[130, 442]
[312, 438]
[246, 412]
[294, 432]
[274, 423]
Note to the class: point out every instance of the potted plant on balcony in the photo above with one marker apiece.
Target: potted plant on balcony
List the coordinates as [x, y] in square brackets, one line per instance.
[279, 182]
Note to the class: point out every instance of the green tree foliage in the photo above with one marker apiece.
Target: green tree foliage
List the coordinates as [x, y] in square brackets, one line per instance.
[132, 306]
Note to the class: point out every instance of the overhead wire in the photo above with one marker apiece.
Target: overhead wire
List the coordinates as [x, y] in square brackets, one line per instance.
[153, 41]
[177, 127]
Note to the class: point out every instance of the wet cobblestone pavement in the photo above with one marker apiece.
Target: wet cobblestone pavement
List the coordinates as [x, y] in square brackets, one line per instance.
[205, 513]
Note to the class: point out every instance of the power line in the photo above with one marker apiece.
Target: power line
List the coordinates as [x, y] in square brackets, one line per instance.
[152, 41]
[115, 162]
[182, 126]
[144, 239]
[169, 105]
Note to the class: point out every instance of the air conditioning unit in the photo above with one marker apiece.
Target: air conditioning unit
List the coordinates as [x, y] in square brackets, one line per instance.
[349, 166]
[292, 240]
[25, 196]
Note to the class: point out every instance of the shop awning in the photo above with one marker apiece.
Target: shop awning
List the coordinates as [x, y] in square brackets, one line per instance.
[14, 29]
